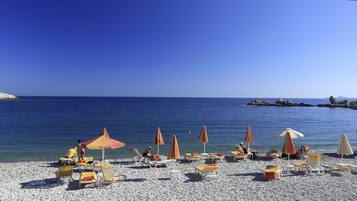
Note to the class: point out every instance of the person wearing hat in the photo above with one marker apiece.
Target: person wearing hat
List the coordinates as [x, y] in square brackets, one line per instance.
[147, 152]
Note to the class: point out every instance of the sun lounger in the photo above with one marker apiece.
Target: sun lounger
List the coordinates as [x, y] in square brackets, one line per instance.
[273, 154]
[207, 171]
[192, 157]
[272, 172]
[64, 172]
[108, 176]
[86, 178]
[216, 157]
[156, 163]
[311, 165]
[137, 156]
[238, 155]
[69, 158]
[347, 167]
[86, 164]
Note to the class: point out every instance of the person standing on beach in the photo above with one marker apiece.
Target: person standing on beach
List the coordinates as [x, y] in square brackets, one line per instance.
[80, 151]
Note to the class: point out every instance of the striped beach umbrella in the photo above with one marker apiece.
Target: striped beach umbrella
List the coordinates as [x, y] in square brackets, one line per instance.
[158, 139]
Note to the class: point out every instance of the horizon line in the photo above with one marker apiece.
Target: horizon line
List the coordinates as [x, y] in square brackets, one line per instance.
[222, 97]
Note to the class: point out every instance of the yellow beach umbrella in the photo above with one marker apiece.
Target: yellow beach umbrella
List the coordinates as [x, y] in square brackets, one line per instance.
[203, 138]
[248, 136]
[174, 149]
[102, 142]
[158, 139]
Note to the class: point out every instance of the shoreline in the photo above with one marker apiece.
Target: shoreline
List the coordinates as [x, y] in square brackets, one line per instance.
[131, 156]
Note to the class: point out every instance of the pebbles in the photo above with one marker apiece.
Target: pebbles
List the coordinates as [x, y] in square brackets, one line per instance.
[237, 181]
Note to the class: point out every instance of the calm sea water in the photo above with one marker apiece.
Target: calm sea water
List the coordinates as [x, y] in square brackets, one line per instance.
[42, 128]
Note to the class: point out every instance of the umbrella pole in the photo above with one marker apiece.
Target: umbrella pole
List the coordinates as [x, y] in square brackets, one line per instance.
[289, 158]
[158, 149]
[204, 148]
[248, 146]
[103, 154]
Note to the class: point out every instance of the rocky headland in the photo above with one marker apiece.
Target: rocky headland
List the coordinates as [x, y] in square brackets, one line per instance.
[279, 103]
[5, 96]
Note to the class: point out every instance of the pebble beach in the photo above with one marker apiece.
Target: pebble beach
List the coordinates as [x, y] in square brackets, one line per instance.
[242, 180]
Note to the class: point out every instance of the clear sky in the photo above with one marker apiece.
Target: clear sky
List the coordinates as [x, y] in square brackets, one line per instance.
[231, 48]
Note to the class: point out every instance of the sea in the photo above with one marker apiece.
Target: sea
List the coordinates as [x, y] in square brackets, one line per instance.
[43, 128]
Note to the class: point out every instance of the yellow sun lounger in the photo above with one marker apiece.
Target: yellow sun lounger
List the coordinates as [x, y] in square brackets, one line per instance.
[192, 157]
[108, 175]
[312, 164]
[272, 172]
[238, 155]
[63, 172]
[69, 158]
[206, 171]
[86, 178]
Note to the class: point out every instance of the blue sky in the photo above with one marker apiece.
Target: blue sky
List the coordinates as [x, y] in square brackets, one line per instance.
[237, 48]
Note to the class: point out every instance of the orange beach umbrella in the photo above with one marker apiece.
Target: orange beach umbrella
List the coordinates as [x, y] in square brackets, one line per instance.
[102, 142]
[158, 139]
[174, 149]
[289, 147]
[203, 138]
[248, 136]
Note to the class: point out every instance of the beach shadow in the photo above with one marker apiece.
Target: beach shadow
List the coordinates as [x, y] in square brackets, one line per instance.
[193, 177]
[122, 162]
[230, 159]
[52, 164]
[40, 184]
[183, 161]
[335, 155]
[73, 185]
[135, 180]
[263, 158]
[139, 167]
[256, 176]
[164, 179]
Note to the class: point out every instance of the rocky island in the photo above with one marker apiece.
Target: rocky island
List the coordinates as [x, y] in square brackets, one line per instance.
[279, 103]
[344, 104]
[287, 103]
[5, 96]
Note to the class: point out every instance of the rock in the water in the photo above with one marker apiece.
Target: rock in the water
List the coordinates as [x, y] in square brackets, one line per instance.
[4, 96]
[333, 100]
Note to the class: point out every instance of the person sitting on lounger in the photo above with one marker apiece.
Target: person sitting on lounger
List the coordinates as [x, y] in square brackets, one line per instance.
[147, 152]
[245, 149]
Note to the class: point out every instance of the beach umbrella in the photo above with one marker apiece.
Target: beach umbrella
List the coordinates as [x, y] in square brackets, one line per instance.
[158, 139]
[293, 133]
[344, 147]
[203, 138]
[102, 142]
[174, 152]
[248, 136]
[288, 147]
